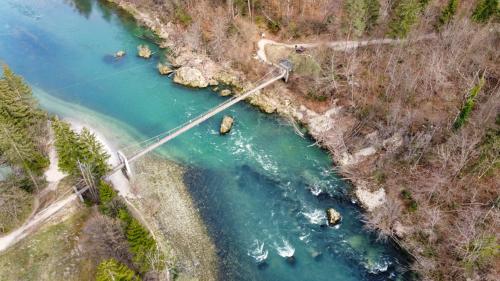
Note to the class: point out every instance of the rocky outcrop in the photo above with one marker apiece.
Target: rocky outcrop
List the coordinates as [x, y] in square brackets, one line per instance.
[370, 200]
[164, 69]
[226, 124]
[191, 77]
[143, 51]
[333, 217]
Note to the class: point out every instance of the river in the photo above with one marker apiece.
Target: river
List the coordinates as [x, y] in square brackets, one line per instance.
[261, 190]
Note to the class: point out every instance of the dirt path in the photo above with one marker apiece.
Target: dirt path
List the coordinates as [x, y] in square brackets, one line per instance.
[335, 45]
[30, 226]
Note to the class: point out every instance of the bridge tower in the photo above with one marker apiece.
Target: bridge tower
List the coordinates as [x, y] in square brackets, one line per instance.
[124, 161]
[287, 66]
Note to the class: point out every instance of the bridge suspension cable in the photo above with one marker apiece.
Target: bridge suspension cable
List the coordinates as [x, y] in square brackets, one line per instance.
[139, 146]
[172, 133]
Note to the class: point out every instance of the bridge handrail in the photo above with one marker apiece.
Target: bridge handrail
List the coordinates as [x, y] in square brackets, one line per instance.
[154, 138]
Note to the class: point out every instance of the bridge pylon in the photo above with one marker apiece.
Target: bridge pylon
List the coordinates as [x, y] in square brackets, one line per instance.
[124, 161]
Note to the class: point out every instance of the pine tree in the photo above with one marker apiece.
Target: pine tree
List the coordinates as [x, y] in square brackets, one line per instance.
[406, 14]
[361, 15]
[22, 126]
[141, 244]
[112, 270]
[485, 10]
[66, 142]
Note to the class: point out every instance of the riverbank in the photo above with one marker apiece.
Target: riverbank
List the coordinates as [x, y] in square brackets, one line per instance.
[168, 221]
[327, 127]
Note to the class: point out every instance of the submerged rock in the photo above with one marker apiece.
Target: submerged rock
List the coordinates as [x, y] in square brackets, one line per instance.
[225, 93]
[333, 217]
[144, 51]
[120, 54]
[226, 125]
[164, 69]
[189, 76]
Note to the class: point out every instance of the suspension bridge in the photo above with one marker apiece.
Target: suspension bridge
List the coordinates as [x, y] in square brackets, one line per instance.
[136, 151]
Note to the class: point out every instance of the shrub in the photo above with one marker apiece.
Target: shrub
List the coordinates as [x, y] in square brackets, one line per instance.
[182, 16]
[410, 203]
[468, 106]
[485, 10]
[112, 270]
[448, 13]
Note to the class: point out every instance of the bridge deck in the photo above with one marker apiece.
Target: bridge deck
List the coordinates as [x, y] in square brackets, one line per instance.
[195, 122]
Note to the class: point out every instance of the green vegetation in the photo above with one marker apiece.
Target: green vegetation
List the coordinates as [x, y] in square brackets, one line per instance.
[49, 253]
[75, 150]
[485, 10]
[410, 202]
[448, 12]
[112, 270]
[22, 129]
[182, 16]
[361, 15]
[16, 205]
[305, 65]
[489, 148]
[406, 14]
[483, 250]
[468, 106]
[141, 244]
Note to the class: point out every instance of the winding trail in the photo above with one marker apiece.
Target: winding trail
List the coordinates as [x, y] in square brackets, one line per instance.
[335, 45]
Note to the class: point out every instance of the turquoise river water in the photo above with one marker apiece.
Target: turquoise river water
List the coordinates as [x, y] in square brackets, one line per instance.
[262, 190]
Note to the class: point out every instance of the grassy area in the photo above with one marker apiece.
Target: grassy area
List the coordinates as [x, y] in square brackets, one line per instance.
[16, 205]
[50, 254]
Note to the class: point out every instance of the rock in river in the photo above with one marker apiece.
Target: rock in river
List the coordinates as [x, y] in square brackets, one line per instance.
[144, 51]
[333, 216]
[189, 76]
[227, 123]
[119, 54]
[164, 69]
[225, 93]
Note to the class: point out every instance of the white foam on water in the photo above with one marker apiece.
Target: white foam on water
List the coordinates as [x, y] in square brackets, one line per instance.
[285, 250]
[315, 216]
[316, 189]
[258, 252]
[377, 267]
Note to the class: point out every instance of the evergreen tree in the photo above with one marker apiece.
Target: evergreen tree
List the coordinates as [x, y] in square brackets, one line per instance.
[469, 105]
[73, 148]
[141, 244]
[22, 126]
[112, 270]
[361, 15]
[485, 10]
[448, 13]
[406, 14]
[66, 143]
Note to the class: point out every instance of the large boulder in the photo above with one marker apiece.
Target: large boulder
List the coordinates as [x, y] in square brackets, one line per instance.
[143, 51]
[164, 69]
[226, 124]
[189, 76]
[225, 93]
[333, 217]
